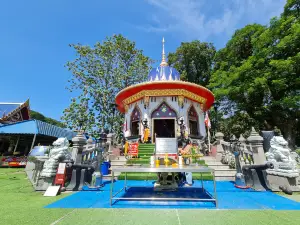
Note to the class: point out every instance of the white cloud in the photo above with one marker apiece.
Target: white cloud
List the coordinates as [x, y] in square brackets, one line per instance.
[200, 19]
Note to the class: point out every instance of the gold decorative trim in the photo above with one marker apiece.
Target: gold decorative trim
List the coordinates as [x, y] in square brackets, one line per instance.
[164, 92]
[169, 82]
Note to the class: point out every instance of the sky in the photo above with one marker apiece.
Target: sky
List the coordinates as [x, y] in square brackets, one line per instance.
[35, 36]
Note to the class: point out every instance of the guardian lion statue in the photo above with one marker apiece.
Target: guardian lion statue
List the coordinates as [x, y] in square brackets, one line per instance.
[58, 153]
[280, 155]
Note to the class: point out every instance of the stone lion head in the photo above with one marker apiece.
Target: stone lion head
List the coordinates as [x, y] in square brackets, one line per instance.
[61, 142]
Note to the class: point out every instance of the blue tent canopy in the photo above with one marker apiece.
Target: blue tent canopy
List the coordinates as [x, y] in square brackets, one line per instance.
[36, 127]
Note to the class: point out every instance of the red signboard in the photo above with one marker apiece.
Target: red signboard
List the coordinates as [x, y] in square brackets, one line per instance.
[60, 177]
[133, 149]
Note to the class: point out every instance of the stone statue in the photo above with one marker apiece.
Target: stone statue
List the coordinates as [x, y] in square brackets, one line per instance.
[58, 153]
[280, 155]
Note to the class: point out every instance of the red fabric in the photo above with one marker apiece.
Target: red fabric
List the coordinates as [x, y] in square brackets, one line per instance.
[213, 151]
[207, 120]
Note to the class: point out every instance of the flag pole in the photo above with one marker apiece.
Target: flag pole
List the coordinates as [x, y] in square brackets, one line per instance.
[207, 123]
[208, 136]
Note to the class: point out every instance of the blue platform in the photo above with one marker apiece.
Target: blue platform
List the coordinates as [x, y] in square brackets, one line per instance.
[229, 197]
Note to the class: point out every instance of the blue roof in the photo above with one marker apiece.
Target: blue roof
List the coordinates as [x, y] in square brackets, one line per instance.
[6, 108]
[163, 73]
[36, 127]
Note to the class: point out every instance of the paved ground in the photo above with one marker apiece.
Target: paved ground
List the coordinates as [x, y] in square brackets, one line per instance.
[19, 204]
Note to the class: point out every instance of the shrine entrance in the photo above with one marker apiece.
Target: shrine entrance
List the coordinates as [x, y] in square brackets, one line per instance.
[163, 122]
[164, 128]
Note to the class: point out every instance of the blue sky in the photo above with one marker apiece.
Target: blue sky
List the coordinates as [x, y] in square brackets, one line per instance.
[34, 36]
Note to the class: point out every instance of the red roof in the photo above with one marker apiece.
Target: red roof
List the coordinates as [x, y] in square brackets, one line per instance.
[191, 91]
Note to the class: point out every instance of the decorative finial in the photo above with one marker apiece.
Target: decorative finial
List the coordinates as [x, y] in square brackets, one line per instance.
[163, 60]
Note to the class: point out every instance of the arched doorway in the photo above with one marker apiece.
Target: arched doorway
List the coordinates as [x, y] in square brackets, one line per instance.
[193, 121]
[163, 122]
[135, 121]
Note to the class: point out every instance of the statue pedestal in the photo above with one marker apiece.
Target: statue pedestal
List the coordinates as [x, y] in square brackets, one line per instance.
[278, 180]
[43, 183]
[285, 172]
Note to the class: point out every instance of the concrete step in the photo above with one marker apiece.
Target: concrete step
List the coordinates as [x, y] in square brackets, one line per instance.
[225, 172]
[217, 165]
[121, 163]
[208, 159]
[227, 178]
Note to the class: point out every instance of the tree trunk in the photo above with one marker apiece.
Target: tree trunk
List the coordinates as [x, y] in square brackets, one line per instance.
[289, 132]
[287, 127]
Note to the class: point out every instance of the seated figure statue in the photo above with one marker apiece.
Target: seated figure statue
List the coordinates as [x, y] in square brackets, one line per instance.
[279, 154]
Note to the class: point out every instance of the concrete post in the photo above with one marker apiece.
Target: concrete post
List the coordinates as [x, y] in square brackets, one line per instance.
[220, 150]
[242, 140]
[256, 142]
[79, 141]
[110, 142]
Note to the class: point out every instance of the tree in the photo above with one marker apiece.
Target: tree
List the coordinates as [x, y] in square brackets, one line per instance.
[38, 116]
[258, 73]
[292, 8]
[193, 60]
[99, 73]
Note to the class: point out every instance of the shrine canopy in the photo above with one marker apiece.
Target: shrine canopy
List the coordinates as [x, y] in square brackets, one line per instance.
[164, 80]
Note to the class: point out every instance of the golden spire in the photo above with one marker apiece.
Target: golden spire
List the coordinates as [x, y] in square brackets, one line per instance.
[163, 60]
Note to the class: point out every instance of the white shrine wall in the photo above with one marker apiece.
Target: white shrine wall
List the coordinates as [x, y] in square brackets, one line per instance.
[154, 103]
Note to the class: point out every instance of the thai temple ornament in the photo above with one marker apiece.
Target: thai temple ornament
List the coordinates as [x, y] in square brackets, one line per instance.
[58, 153]
[146, 101]
[279, 154]
[181, 101]
[126, 108]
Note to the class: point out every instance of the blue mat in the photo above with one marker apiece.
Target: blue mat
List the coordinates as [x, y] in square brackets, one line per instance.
[229, 197]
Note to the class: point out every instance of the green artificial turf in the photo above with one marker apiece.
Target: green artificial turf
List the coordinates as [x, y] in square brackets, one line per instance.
[153, 176]
[19, 204]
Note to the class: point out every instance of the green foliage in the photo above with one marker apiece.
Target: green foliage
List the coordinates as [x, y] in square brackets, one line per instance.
[193, 60]
[99, 73]
[292, 7]
[38, 116]
[238, 124]
[258, 73]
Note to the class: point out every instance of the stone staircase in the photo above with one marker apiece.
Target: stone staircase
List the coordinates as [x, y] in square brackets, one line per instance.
[116, 161]
[223, 172]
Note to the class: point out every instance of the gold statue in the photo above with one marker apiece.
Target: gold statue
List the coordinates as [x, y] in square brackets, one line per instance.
[146, 134]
